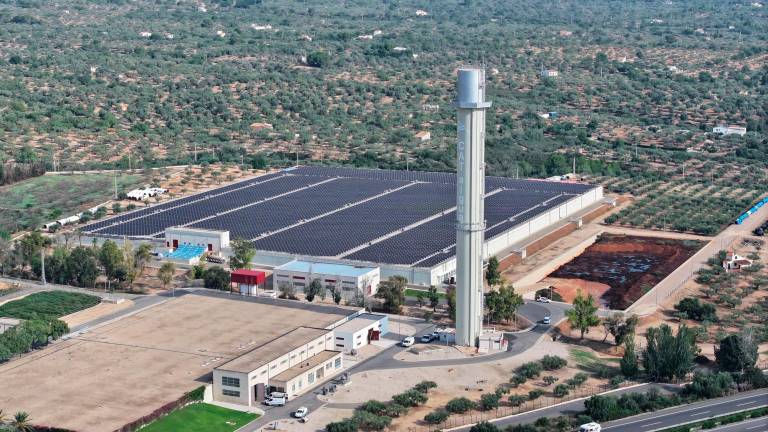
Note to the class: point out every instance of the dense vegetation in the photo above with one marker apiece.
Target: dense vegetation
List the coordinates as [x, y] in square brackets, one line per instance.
[47, 305]
[175, 81]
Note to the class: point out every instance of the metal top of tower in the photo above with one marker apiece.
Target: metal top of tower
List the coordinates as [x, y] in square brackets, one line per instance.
[471, 88]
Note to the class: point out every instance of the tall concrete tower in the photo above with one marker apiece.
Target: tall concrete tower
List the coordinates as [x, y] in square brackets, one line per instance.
[470, 215]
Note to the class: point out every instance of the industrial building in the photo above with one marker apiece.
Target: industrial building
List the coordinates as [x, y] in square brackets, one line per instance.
[346, 279]
[292, 363]
[402, 222]
[360, 331]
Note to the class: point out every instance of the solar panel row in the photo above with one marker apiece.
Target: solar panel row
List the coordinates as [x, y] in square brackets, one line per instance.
[345, 210]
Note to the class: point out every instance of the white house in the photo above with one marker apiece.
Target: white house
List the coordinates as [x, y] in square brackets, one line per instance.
[360, 331]
[549, 73]
[341, 277]
[421, 12]
[734, 262]
[729, 130]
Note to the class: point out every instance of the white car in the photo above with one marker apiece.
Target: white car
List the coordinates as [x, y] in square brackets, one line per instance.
[301, 412]
[407, 341]
[590, 427]
[547, 320]
[543, 299]
[427, 338]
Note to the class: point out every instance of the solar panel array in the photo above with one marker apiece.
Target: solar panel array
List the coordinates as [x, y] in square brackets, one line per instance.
[381, 216]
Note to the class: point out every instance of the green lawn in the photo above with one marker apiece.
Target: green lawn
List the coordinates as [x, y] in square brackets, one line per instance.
[32, 202]
[201, 417]
[412, 293]
[51, 304]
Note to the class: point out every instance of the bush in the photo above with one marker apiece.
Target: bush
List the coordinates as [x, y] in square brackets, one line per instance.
[560, 390]
[459, 405]
[369, 421]
[216, 278]
[410, 398]
[549, 379]
[489, 401]
[346, 425]
[617, 380]
[425, 386]
[577, 380]
[530, 370]
[484, 427]
[517, 380]
[373, 407]
[553, 362]
[517, 400]
[437, 416]
[707, 385]
[535, 394]
[696, 310]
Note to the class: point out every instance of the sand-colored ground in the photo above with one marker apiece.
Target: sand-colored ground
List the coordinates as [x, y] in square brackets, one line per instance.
[92, 313]
[116, 373]
[568, 288]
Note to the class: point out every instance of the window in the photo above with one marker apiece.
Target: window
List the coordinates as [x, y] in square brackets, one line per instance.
[310, 378]
[320, 343]
[273, 366]
[293, 388]
[339, 338]
[301, 352]
[230, 381]
[234, 393]
[337, 363]
[298, 284]
[328, 365]
[359, 336]
[300, 383]
[340, 345]
[282, 362]
[293, 356]
[263, 372]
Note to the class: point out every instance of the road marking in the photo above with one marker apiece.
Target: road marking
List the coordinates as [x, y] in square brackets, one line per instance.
[650, 424]
[699, 413]
[746, 403]
[755, 427]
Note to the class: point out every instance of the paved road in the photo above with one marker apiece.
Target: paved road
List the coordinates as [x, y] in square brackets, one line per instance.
[756, 425]
[690, 413]
[519, 342]
[653, 421]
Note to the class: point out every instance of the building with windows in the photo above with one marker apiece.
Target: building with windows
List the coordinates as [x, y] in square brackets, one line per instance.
[360, 331]
[341, 277]
[292, 363]
[730, 130]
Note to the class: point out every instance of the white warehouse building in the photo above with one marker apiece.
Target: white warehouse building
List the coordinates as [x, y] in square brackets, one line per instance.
[346, 278]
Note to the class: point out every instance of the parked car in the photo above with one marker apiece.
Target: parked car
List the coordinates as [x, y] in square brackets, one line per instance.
[276, 399]
[301, 412]
[590, 427]
[543, 299]
[427, 338]
[407, 341]
[547, 320]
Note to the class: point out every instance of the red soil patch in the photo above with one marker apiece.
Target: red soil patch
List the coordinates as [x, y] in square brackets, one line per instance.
[629, 265]
[568, 288]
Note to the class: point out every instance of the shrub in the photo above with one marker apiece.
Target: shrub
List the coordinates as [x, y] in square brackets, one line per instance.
[437, 416]
[577, 380]
[517, 380]
[216, 278]
[696, 310]
[560, 390]
[459, 405]
[346, 425]
[530, 369]
[517, 400]
[394, 409]
[369, 421]
[489, 401]
[484, 427]
[709, 385]
[410, 398]
[617, 380]
[374, 407]
[425, 386]
[553, 362]
[535, 394]
[549, 379]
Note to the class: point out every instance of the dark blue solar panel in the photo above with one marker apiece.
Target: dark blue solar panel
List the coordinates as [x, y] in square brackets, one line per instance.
[251, 222]
[358, 225]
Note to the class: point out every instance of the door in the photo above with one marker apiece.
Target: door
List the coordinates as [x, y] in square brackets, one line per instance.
[175, 243]
[210, 247]
[259, 392]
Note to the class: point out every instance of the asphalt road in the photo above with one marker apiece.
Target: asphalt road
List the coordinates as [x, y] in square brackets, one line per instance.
[690, 413]
[756, 425]
[518, 342]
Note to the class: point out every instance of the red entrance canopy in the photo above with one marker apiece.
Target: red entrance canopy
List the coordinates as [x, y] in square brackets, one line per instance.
[248, 277]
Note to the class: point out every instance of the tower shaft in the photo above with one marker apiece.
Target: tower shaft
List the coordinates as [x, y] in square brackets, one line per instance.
[470, 217]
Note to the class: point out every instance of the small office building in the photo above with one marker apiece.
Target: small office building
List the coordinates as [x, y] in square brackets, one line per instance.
[342, 277]
[360, 331]
[292, 363]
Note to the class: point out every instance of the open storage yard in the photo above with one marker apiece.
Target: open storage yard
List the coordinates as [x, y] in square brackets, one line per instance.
[112, 375]
[621, 268]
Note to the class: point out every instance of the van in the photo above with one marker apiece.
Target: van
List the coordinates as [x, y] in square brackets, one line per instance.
[276, 399]
[590, 427]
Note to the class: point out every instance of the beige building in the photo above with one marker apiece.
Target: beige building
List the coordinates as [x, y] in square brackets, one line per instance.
[292, 363]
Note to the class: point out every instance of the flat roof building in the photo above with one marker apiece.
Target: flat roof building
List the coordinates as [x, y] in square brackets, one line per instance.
[292, 363]
[360, 331]
[343, 278]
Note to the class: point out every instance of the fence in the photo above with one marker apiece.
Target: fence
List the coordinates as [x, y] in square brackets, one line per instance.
[458, 420]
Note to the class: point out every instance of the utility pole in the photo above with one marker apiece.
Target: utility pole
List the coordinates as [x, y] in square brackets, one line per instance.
[42, 265]
[297, 158]
[115, 184]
